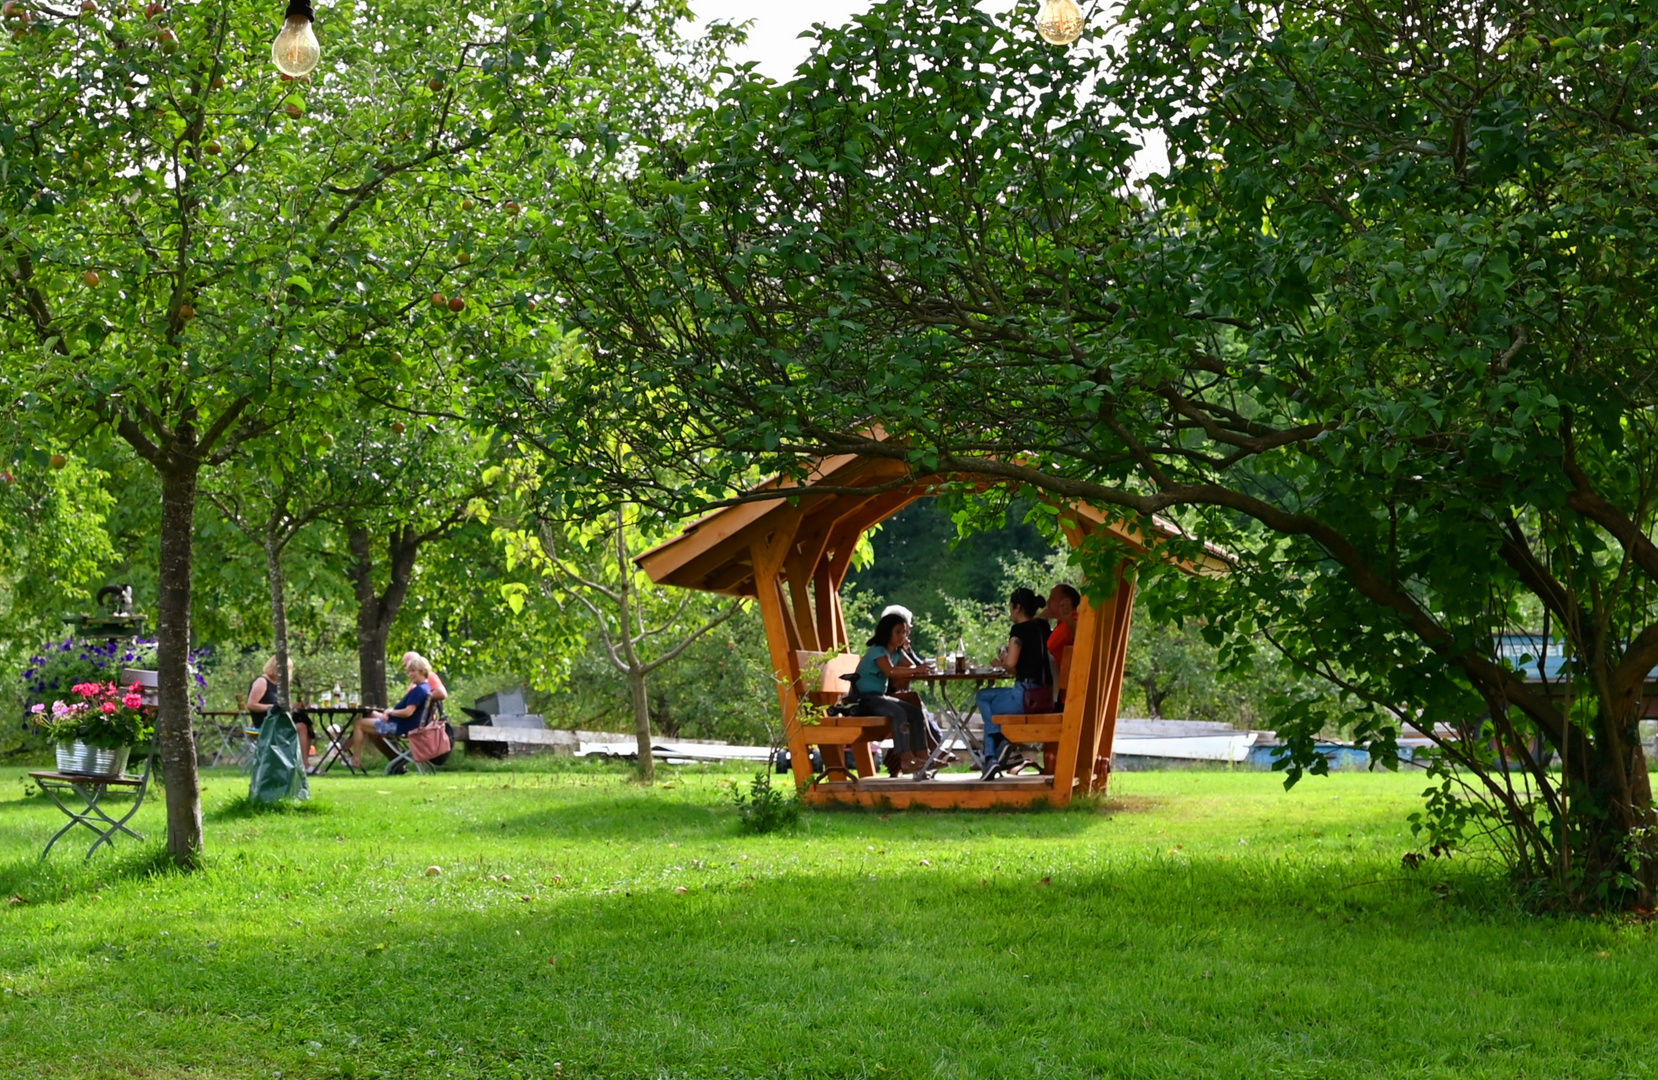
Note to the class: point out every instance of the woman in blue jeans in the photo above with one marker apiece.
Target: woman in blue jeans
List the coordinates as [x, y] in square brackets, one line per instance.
[1026, 656]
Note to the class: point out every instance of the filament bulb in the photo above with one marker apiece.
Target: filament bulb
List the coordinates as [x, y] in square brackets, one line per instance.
[1059, 21]
[295, 51]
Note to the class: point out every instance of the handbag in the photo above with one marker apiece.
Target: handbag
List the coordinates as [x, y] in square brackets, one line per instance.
[1040, 699]
[429, 742]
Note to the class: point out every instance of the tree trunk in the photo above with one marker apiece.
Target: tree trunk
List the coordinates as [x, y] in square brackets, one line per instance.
[1154, 700]
[279, 617]
[642, 722]
[376, 611]
[173, 728]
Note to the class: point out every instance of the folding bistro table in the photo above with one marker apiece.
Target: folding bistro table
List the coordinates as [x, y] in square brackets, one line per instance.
[228, 739]
[953, 717]
[339, 734]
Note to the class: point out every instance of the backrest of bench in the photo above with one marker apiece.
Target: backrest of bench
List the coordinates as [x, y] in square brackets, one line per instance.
[836, 666]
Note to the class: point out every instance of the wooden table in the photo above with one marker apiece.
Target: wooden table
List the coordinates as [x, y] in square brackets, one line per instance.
[953, 714]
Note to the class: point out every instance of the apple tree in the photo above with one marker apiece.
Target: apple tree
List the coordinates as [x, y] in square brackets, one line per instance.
[196, 253]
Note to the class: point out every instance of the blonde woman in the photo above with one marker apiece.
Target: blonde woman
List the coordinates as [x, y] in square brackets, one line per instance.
[262, 695]
[401, 718]
[433, 683]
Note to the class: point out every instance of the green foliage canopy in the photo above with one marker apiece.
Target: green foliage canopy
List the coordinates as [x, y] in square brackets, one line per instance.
[1381, 330]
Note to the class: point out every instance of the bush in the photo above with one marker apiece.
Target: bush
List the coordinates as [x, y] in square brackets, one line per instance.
[763, 808]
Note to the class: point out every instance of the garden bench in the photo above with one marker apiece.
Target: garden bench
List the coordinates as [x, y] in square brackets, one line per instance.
[836, 734]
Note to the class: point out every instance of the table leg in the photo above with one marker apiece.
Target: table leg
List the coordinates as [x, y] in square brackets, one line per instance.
[338, 736]
[954, 722]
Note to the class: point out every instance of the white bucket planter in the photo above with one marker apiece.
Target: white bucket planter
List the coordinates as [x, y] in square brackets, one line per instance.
[84, 760]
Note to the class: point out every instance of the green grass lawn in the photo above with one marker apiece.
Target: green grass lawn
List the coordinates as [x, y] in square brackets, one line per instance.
[1194, 925]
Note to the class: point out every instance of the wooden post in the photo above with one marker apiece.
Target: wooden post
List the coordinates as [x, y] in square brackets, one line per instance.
[1077, 726]
[767, 556]
[1114, 659]
[826, 604]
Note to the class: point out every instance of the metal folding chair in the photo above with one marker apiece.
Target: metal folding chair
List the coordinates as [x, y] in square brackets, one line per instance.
[90, 790]
[402, 759]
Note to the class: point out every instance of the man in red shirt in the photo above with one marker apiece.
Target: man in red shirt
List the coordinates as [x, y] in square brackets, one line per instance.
[1063, 602]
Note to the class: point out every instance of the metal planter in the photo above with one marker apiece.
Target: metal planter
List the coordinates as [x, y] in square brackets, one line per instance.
[83, 760]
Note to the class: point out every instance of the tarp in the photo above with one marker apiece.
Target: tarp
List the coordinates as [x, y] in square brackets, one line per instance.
[278, 766]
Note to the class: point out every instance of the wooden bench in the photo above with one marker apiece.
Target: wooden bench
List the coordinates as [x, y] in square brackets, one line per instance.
[835, 734]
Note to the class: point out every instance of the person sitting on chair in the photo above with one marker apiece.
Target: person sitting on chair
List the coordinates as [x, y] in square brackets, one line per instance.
[262, 695]
[400, 719]
[433, 683]
[1025, 657]
[883, 663]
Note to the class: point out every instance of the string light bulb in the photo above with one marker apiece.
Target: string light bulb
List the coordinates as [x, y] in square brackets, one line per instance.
[295, 51]
[1059, 21]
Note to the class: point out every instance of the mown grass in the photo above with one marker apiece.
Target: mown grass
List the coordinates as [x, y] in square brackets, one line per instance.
[1194, 925]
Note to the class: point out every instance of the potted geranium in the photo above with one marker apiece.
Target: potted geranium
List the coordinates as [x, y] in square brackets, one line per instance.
[96, 730]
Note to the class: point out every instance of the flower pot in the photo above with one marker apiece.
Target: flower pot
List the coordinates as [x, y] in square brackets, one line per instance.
[84, 760]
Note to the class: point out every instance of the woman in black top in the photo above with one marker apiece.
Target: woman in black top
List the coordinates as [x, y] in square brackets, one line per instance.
[1025, 657]
[262, 695]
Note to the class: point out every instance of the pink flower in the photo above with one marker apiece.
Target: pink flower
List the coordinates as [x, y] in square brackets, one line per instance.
[38, 707]
[109, 706]
[85, 689]
[132, 701]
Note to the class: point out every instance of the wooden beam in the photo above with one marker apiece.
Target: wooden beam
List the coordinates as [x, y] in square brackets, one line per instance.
[1077, 724]
[1107, 725]
[768, 560]
[1105, 690]
[826, 602]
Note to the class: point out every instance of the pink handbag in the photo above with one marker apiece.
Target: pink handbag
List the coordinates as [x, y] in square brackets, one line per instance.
[429, 742]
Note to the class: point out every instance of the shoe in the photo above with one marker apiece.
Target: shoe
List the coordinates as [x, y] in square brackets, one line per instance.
[397, 768]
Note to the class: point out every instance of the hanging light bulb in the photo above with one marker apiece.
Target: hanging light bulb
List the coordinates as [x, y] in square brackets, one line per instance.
[1059, 21]
[295, 51]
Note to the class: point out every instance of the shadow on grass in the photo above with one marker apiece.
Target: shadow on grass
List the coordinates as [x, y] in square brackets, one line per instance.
[242, 808]
[579, 981]
[67, 873]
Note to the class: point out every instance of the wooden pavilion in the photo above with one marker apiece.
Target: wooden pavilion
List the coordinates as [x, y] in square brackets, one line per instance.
[791, 553]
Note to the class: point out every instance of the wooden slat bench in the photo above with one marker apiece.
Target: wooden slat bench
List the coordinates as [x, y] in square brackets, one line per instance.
[836, 733]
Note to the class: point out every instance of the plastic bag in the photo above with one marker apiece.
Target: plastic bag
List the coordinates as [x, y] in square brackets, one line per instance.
[278, 767]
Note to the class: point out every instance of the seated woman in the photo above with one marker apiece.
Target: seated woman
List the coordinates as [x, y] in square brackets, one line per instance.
[884, 662]
[401, 718]
[262, 695]
[433, 683]
[900, 688]
[1025, 657]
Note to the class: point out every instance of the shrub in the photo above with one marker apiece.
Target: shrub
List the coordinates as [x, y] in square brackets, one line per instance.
[763, 808]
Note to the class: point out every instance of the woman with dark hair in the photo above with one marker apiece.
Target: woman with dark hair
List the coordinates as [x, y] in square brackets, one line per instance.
[882, 663]
[1025, 657]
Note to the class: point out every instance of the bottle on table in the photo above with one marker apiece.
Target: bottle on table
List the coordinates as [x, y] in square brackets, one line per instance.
[961, 656]
[338, 696]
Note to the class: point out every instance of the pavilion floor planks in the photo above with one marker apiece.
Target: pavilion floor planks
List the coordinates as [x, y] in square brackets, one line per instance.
[962, 790]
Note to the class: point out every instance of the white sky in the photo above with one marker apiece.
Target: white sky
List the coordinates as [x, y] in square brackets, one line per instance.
[772, 39]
